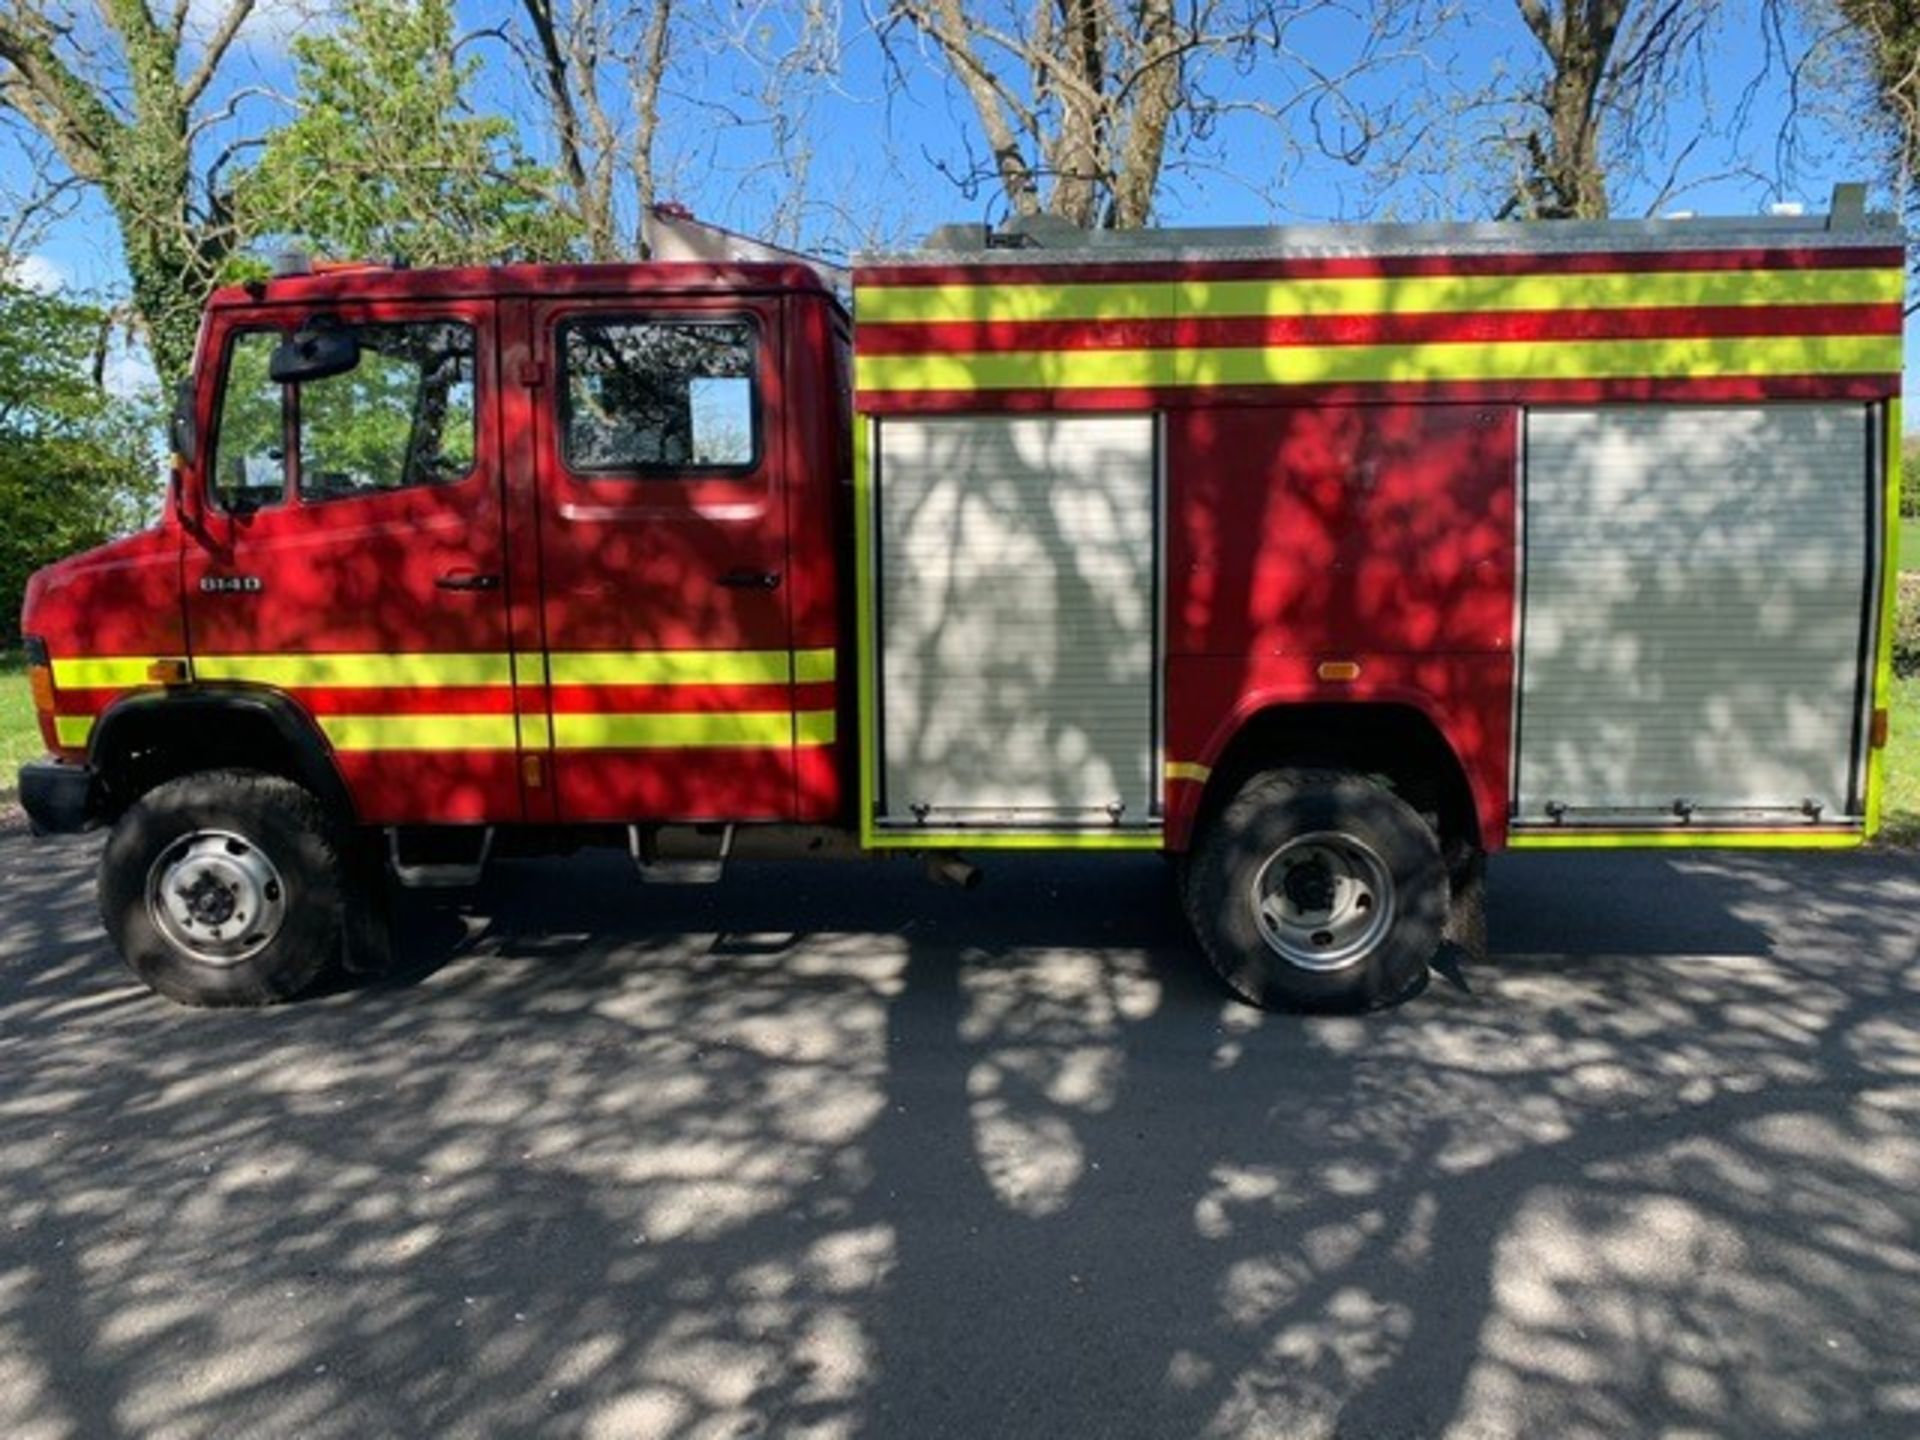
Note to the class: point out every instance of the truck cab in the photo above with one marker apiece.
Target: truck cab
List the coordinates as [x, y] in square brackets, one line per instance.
[508, 546]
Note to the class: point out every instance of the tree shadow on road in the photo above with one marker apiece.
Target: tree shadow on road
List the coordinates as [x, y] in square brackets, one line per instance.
[826, 1151]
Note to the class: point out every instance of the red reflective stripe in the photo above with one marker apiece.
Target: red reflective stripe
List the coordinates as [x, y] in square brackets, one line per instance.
[1340, 267]
[407, 700]
[680, 699]
[1542, 392]
[86, 702]
[1257, 331]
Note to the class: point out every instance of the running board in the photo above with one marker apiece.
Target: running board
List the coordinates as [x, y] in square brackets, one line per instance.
[439, 875]
[679, 870]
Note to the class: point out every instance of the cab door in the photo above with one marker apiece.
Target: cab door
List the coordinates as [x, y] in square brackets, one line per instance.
[663, 542]
[349, 553]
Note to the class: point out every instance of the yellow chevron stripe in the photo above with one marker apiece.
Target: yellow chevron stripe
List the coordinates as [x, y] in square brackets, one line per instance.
[320, 672]
[1396, 295]
[419, 732]
[1345, 364]
[697, 730]
[117, 672]
[72, 731]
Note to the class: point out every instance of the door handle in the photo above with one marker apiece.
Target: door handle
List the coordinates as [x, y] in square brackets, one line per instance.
[467, 580]
[745, 579]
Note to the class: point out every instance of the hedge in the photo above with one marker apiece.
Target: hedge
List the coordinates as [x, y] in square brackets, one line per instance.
[1906, 630]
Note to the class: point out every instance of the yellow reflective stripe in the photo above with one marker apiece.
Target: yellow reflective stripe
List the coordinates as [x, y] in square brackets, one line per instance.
[917, 839]
[1366, 364]
[770, 729]
[318, 672]
[813, 727]
[670, 667]
[419, 732]
[865, 661]
[531, 667]
[1889, 610]
[72, 731]
[530, 670]
[1376, 295]
[119, 672]
[1684, 840]
[1184, 770]
[812, 666]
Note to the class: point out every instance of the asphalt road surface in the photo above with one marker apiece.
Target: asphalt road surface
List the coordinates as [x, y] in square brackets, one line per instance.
[828, 1152]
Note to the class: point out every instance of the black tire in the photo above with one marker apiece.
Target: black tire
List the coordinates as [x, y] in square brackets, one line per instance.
[288, 827]
[1282, 806]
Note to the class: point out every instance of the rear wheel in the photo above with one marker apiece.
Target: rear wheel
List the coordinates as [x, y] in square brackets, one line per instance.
[1317, 890]
[224, 888]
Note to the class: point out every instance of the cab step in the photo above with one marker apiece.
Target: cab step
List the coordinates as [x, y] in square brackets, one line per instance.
[450, 872]
[643, 843]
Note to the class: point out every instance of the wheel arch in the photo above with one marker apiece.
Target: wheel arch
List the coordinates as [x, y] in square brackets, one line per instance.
[150, 737]
[1398, 740]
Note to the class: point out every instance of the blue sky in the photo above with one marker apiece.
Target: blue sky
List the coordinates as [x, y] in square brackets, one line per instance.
[885, 142]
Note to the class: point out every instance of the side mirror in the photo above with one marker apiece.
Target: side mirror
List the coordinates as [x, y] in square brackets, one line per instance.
[317, 351]
[181, 434]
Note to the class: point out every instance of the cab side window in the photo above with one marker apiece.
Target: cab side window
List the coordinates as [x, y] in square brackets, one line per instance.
[660, 397]
[403, 416]
[249, 445]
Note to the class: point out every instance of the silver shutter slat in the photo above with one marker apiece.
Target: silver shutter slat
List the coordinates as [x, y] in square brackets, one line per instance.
[1693, 609]
[1016, 560]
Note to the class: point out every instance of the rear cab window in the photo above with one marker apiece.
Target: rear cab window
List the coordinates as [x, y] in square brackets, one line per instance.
[662, 397]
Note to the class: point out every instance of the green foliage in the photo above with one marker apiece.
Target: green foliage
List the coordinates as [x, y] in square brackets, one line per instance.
[1900, 815]
[1906, 629]
[76, 464]
[19, 727]
[386, 157]
[1910, 485]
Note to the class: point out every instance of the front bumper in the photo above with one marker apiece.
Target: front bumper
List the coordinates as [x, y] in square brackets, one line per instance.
[58, 797]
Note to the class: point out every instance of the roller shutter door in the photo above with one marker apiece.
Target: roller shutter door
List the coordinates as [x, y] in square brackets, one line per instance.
[1016, 574]
[1693, 610]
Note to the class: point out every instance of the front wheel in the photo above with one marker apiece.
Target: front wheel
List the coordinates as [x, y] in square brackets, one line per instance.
[223, 888]
[1317, 890]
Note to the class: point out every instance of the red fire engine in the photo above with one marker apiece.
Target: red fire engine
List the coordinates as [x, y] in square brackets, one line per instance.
[1325, 561]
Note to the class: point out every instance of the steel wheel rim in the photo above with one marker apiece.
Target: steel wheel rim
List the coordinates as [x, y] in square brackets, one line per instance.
[1323, 901]
[216, 896]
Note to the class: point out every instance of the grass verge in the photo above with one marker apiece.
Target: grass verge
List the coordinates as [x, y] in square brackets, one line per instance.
[1900, 815]
[19, 731]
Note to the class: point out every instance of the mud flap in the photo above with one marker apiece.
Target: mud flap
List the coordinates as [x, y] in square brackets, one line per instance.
[1463, 941]
[366, 927]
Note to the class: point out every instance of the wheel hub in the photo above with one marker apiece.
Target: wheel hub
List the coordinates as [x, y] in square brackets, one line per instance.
[1309, 885]
[217, 896]
[208, 901]
[1323, 901]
